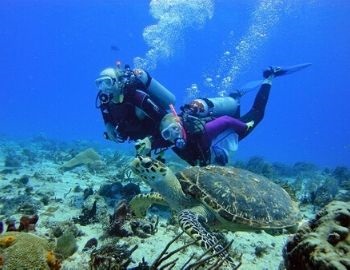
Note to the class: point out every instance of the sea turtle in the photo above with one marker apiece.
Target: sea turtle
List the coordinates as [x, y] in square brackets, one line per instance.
[221, 197]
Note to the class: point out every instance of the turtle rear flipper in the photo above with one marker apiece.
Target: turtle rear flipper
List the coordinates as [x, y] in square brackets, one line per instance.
[191, 224]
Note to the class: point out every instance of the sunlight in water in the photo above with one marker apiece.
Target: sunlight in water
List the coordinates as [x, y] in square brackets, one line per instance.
[174, 18]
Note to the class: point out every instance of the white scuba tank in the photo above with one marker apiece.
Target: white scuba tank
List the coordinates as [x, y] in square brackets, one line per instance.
[217, 106]
[157, 91]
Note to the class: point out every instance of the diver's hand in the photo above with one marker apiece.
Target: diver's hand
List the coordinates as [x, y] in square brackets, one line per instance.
[143, 146]
[250, 125]
[194, 125]
[112, 134]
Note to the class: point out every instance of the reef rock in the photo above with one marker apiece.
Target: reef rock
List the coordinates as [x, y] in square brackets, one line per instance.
[322, 243]
[94, 210]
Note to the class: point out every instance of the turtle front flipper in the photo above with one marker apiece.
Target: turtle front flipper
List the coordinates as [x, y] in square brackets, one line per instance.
[141, 202]
[190, 222]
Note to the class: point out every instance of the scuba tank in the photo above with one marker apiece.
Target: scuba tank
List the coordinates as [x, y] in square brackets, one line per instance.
[157, 91]
[213, 107]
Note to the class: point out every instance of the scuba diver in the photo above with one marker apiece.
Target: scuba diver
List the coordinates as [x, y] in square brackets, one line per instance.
[132, 103]
[207, 131]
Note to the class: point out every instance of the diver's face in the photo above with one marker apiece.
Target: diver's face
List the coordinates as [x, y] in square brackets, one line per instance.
[172, 132]
[106, 84]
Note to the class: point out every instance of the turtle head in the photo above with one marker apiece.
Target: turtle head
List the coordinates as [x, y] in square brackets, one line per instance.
[150, 170]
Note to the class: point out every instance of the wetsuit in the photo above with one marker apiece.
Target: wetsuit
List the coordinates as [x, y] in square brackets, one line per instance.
[197, 149]
[124, 118]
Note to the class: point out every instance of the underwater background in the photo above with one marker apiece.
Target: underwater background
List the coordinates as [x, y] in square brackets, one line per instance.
[62, 182]
[52, 51]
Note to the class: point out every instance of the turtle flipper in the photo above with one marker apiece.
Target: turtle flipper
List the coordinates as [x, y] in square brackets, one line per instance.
[191, 224]
[141, 202]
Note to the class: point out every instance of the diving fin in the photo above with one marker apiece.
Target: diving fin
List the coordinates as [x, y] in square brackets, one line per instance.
[280, 71]
[246, 88]
[277, 71]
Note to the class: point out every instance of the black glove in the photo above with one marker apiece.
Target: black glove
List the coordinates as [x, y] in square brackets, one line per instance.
[193, 124]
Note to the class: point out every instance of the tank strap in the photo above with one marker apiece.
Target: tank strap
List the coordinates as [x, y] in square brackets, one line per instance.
[210, 105]
[139, 98]
[149, 79]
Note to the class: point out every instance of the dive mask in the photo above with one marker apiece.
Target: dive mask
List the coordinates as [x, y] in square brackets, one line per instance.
[105, 83]
[172, 132]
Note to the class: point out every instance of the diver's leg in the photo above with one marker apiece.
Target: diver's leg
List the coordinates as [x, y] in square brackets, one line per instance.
[257, 111]
[222, 123]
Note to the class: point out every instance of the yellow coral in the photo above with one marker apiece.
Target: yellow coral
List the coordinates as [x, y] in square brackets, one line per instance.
[7, 241]
[52, 261]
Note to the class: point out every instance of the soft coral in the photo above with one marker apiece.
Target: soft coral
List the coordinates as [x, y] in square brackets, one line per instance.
[27, 223]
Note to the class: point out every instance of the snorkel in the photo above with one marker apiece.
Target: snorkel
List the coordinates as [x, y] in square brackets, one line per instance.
[179, 142]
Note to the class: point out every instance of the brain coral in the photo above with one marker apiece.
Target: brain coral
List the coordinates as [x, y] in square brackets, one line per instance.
[322, 243]
[28, 251]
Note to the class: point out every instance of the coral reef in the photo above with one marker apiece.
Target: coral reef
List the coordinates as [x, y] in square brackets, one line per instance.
[94, 210]
[111, 256]
[13, 161]
[114, 192]
[23, 204]
[257, 165]
[318, 189]
[53, 262]
[117, 225]
[342, 174]
[130, 190]
[305, 168]
[87, 192]
[66, 244]
[27, 251]
[86, 157]
[7, 241]
[11, 225]
[90, 244]
[123, 224]
[322, 243]
[110, 190]
[118, 256]
[26, 224]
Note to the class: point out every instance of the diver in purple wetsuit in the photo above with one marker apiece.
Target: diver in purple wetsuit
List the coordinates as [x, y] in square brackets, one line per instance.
[199, 148]
[207, 130]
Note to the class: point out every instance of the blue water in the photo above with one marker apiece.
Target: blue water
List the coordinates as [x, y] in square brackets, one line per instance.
[52, 51]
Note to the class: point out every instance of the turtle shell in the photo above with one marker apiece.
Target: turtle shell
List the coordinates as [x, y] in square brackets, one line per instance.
[239, 196]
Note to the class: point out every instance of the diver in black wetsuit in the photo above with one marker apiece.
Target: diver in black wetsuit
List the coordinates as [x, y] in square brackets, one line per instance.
[132, 103]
